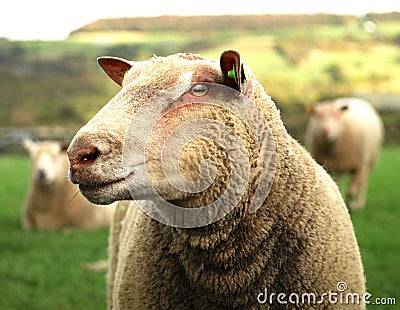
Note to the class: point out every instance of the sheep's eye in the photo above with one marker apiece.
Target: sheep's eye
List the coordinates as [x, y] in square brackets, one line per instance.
[199, 90]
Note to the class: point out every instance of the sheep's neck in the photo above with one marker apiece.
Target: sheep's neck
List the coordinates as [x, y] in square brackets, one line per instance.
[45, 196]
[230, 255]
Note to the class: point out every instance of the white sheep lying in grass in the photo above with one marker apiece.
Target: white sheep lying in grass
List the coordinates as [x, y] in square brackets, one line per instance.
[300, 239]
[345, 136]
[52, 202]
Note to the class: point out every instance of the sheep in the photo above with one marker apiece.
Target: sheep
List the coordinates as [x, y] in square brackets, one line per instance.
[299, 240]
[345, 136]
[51, 202]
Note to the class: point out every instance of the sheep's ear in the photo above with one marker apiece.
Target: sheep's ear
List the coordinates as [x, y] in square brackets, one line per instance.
[310, 109]
[64, 146]
[28, 144]
[114, 67]
[232, 70]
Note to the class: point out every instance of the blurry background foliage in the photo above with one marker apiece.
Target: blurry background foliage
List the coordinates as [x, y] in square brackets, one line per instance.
[299, 59]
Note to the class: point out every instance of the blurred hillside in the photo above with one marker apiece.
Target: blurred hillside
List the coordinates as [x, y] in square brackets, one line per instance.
[224, 22]
[299, 59]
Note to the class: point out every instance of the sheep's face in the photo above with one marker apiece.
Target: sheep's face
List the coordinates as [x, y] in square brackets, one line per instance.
[45, 160]
[158, 135]
[327, 121]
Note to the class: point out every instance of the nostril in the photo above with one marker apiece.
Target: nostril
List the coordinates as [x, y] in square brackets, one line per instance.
[83, 157]
[41, 174]
[90, 155]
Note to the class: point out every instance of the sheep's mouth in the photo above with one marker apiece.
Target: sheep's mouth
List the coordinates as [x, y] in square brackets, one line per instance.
[107, 192]
[96, 186]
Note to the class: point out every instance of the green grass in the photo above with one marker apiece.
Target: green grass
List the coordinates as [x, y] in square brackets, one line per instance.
[42, 270]
[377, 228]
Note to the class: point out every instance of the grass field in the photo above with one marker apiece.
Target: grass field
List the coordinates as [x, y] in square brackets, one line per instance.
[43, 270]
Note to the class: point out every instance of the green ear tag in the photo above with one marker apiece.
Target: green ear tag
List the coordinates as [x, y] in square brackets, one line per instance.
[232, 74]
[126, 72]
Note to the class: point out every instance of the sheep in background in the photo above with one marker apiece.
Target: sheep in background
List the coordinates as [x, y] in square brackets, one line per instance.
[345, 136]
[52, 202]
[299, 240]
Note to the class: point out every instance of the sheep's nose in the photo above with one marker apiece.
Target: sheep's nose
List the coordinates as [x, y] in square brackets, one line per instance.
[82, 157]
[325, 132]
[41, 174]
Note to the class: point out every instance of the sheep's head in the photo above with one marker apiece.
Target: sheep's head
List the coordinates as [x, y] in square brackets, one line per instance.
[327, 120]
[157, 137]
[46, 160]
